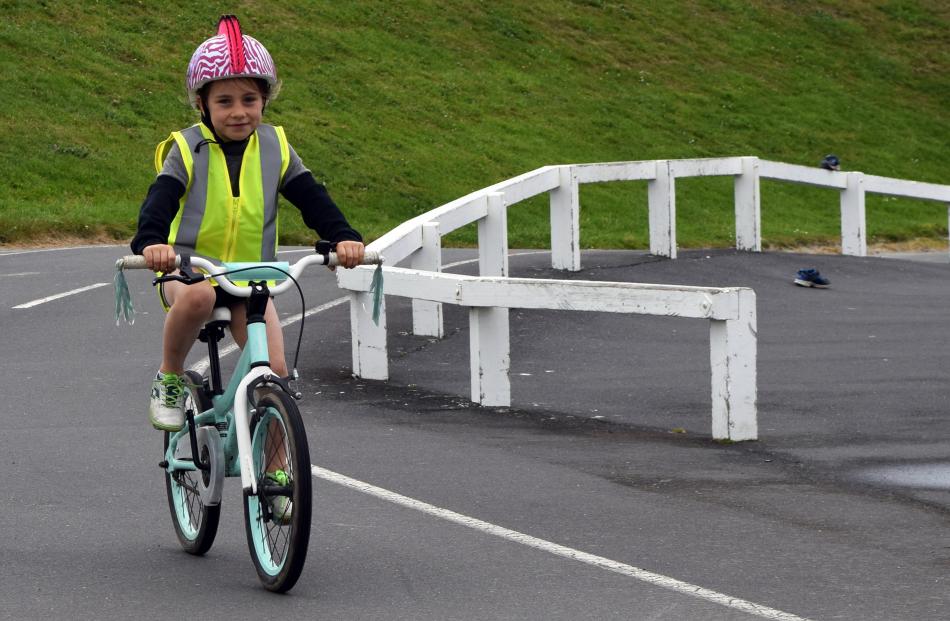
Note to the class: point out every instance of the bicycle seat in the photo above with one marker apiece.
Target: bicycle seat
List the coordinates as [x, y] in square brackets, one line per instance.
[220, 316]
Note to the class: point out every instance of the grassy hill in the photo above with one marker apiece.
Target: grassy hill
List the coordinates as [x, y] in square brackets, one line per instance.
[401, 106]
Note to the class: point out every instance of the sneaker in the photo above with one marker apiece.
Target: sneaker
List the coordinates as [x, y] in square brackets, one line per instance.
[811, 278]
[165, 406]
[281, 507]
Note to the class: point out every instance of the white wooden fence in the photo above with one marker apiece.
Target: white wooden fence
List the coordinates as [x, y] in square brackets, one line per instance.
[731, 311]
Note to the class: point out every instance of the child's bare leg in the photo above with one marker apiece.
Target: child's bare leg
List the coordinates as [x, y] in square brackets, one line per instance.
[191, 307]
[275, 334]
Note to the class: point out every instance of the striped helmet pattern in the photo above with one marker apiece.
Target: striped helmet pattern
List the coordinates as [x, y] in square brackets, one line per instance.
[229, 54]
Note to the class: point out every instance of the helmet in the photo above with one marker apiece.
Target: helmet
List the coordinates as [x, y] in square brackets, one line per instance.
[229, 54]
[830, 162]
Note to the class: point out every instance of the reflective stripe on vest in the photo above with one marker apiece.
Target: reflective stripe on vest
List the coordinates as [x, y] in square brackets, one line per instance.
[211, 221]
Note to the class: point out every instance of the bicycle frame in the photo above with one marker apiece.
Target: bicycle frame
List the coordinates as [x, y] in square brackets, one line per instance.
[230, 410]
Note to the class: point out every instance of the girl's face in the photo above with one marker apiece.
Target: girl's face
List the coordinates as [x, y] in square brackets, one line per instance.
[235, 106]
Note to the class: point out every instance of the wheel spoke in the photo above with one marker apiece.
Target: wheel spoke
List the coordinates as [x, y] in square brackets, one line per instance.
[195, 523]
[279, 549]
[278, 540]
[185, 483]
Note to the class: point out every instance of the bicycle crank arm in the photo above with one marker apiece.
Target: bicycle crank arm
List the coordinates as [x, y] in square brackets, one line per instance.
[277, 490]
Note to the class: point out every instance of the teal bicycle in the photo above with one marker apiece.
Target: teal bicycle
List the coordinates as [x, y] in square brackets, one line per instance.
[250, 428]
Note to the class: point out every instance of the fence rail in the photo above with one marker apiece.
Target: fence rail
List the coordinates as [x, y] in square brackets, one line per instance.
[488, 296]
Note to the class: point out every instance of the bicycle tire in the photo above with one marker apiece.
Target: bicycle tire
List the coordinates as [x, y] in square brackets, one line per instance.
[279, 549]
[196, 525]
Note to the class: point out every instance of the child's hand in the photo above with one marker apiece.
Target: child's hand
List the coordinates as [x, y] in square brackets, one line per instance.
[159, 257]
[349, 253]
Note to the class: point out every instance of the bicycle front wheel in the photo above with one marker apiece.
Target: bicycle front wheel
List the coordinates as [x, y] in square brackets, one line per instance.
[195, 523]
[277, 519]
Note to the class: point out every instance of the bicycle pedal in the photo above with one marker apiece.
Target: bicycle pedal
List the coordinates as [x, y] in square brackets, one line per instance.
[163, 464]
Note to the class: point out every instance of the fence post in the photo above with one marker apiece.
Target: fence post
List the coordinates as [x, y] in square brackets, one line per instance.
[490, 357]
[426, 315]
[565, 222]
[493, 238]
[853, 222]
[748, 207]
[489, 346]
[661, 193]
[732, 352]
[370, 358]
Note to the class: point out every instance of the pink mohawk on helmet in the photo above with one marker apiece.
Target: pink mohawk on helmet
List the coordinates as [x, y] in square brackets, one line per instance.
[229, 54]
[230, 27]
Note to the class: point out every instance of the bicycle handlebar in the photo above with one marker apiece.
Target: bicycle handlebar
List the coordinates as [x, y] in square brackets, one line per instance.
[219, 272]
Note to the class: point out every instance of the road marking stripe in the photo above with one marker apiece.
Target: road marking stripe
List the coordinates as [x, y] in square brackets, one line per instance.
[547, 546]
[510, 254]
[6, 253]
[202, 365]
[60, 295]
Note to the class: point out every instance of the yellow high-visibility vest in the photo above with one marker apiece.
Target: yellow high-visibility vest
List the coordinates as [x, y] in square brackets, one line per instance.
[211, 222]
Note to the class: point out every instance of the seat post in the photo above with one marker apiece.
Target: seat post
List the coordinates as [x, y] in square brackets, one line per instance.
[212, 333]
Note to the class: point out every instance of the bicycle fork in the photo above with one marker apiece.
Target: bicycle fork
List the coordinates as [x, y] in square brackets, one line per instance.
[242, 424]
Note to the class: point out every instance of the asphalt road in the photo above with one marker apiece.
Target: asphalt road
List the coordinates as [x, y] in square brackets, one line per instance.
[617, 503]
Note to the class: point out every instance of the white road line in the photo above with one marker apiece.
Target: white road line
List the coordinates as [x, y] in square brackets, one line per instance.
[202, 365]
[510, 254]
[643, 575]
[19, 274]
[60, 295]
[5, 253]
[313, 311]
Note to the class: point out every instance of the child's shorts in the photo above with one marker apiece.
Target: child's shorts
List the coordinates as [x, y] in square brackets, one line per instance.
[222, 298]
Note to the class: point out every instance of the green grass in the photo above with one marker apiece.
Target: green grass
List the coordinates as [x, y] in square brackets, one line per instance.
[400, 107]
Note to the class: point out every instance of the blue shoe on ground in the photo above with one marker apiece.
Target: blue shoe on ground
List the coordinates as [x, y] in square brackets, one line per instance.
[811, 278]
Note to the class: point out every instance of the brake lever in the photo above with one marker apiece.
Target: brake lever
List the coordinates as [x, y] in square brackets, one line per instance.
[324, 248]
[185, 275]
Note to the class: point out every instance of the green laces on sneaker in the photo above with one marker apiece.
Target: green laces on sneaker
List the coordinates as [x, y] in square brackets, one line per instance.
[279, 477]
[281, 507]
[174, 389]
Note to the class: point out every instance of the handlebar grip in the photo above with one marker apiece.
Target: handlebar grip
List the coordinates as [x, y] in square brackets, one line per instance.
[137, 262]
[370, 257]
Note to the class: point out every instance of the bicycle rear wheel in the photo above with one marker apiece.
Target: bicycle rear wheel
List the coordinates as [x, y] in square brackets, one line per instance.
[195, 524]
[277, 519]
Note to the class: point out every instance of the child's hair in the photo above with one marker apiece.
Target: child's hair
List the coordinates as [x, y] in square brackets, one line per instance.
[267, 91]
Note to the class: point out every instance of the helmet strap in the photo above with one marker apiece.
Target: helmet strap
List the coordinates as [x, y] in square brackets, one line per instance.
[206, 120]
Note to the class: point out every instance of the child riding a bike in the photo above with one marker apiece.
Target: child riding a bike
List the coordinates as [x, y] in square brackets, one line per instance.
[215, 195]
